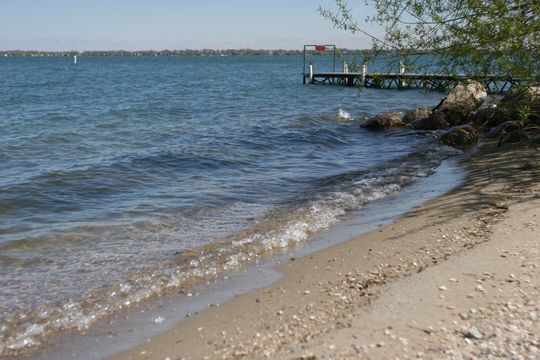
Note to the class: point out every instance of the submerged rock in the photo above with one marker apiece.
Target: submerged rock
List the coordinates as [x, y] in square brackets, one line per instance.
[384, 119]
[435, 121]
[416, 114]
[459, 136]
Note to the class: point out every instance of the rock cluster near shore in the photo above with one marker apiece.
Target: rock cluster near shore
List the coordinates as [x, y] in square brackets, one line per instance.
[464, 115]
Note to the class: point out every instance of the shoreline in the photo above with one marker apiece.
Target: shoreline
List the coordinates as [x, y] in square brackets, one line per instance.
[323, 295]
[132, 326]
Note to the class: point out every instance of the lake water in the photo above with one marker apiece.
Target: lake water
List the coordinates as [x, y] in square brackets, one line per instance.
[123, 178]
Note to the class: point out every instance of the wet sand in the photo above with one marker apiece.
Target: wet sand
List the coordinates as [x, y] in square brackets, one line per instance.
[456, 278]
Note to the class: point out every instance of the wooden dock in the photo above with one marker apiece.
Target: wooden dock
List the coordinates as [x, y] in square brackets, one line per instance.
[398, 80]
[428, 81]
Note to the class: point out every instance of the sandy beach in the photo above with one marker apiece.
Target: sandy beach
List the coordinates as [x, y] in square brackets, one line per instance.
[456, 278]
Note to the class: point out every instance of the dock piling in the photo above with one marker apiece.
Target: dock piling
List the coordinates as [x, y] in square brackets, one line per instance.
[401, 83]
[364, 73]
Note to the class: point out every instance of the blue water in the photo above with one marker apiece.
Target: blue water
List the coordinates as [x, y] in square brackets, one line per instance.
[124, 177]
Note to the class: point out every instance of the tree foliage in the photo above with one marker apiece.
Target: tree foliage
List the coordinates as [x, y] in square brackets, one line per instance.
[477, 37]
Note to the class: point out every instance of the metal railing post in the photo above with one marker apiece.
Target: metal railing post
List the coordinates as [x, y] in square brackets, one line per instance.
[364, 73]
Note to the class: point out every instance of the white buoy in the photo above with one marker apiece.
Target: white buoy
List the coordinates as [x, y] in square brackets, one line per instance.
[74, 59]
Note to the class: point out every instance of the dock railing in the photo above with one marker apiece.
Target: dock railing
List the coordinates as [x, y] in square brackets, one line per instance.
[402, 79]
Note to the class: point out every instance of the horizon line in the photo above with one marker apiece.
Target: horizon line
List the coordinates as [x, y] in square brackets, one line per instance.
[168, 50]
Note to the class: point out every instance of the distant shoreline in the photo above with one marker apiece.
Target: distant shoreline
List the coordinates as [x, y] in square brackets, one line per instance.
[185, 52]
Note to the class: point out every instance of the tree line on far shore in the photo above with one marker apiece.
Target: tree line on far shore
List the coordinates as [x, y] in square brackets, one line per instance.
[184, 52]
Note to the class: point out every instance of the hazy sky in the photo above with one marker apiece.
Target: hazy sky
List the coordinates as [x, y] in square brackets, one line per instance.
[169, 24]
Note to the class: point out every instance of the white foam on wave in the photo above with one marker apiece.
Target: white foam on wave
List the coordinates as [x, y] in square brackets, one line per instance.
[323, 213]
[344, 115]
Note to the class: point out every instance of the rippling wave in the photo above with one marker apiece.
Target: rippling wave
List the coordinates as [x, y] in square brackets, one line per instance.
[286, 225]
[123, 179]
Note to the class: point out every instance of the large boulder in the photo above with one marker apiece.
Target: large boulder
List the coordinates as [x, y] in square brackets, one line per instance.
[487, 117]
[383, 120]
[461, 101]
[504, 128]
[520, 96]
[459, 136]
[416, 114]
[435, 121]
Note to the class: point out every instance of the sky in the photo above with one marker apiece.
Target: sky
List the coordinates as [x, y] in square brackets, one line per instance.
[57, 25]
